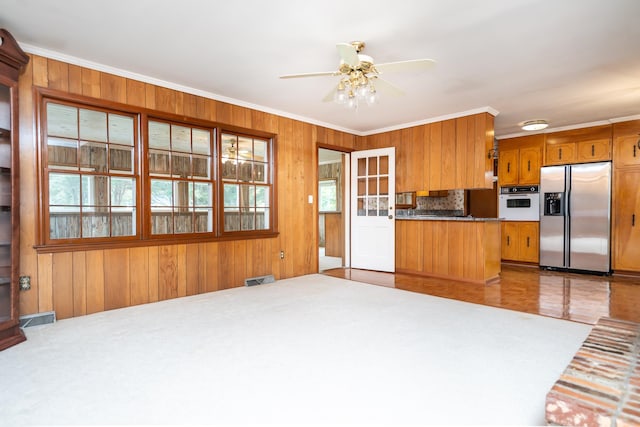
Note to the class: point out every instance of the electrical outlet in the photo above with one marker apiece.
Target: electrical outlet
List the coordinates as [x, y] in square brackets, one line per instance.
[281, 254]
[25, 283]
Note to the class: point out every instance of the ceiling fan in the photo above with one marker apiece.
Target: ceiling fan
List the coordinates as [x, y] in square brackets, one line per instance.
[361, 79]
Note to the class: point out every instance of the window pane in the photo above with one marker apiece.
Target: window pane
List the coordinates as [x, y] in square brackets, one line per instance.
[161, 222]
[328, 195]
[244, 171]
[260, 172]
[183, 222]
[159, 162]
[200, 166]
[62, 120]
[182, 193]
[260, 150]
[123, 191]
[64, 224]
[231, 221]
[95, 224]
[62, 153]
[93, 125]
[95, 190]
[201, 142]
[203, 220]
[245, 148]
[229, 169]
[247, 196]
[123, 221]
[202, 194]
[159, 135]
[181, 138]
[180, 165]
[64, 189]
[229, 146]
[121, 158]
[161, 193]
[248, 219]
[262, 219]
[231, 198]
[121, 129]
[262, 196]
[93, 156]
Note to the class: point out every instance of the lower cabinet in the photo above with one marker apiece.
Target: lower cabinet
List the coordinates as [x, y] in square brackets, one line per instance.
[521, 241]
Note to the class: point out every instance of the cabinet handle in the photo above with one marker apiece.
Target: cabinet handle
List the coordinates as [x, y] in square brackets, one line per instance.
[509, 163]
[508, 241]
[528, 241]
[633, 220]
[593, 150]
[634, 150]
[559, 153]
[528, 165]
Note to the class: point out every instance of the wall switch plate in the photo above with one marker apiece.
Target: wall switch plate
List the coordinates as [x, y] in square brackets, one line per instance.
[310, 198]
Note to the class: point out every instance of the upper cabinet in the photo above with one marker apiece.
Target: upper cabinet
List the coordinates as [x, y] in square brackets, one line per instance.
[592, 144]
[519, 160]
[446, 155]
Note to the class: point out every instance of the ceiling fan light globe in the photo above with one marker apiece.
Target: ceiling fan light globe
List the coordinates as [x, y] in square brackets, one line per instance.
[362, 91]
[372, 97]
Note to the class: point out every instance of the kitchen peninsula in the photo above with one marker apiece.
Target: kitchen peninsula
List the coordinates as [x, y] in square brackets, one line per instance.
[458, 247]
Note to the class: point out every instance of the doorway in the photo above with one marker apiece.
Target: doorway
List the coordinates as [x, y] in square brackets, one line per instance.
[333, 209]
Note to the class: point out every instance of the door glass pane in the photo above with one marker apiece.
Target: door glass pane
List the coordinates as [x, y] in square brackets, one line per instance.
[373, 187]
[383, 206]
[373, 166]
[93, 125]
[362, 187]
[362, 167]
[384, 185]
[372, 206]
[360, 209]
[384, 165]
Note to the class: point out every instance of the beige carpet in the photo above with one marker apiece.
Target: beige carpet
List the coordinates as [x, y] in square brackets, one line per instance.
[309, 350]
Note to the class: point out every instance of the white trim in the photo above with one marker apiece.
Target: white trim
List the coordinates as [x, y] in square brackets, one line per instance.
[571, 127]
[36, 50]
[486, 109]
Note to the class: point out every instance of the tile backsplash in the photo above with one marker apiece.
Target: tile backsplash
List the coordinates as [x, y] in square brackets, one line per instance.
[453, 202]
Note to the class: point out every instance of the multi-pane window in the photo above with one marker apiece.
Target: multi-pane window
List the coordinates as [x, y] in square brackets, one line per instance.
[110, 175]
[90, 172]
[181, 182]
[246, 175]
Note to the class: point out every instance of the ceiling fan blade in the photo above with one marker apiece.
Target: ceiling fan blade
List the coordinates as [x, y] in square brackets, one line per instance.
[318, 74]
[411, 65]
[348, 54]
[383, 85]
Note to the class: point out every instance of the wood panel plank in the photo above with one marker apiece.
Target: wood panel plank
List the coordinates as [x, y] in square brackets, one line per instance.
[136, 93]
[45, 282]
[226, 260]
[428, 247]
[167, 272]
[448, 147]
[150, 96]
[75, 79]
[153, 274]
[202, 268]
[62, 281]
[91, 83]
[113, 88]
[240, 262]
[189, 105]
[192, 266]
[79, 283]
[40, 73]
[440, 239]
[117, 290]
[139, 275]
[471, 253]
[181, 264]
[435, 157]
[455, 246]
[212, 265]
[95, 281]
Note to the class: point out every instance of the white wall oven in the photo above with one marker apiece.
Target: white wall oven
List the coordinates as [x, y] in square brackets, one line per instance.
[521, 203]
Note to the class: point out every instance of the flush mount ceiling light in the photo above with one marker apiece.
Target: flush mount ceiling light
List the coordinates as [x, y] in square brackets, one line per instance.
[534, 125]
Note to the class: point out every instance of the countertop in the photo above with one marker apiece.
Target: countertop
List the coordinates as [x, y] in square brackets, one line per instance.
[443, 218]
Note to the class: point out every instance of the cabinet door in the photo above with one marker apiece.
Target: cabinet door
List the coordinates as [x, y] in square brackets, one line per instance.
[626, 236]
[560, 154]
[509, 240]
[528, 238]
[593, 151]
[529, 171]
[508, 167]
[626, 151]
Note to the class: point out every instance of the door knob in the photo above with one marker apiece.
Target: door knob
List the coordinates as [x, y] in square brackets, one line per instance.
[390, 216]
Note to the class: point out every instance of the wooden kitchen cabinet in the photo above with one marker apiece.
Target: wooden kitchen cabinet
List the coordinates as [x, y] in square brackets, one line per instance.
[626, 220]
[626, 151]
[520, 241]
[594, 151]
[519, 160]
[561, 154]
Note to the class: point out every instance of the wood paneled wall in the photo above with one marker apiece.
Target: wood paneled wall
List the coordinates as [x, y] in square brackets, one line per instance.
[83, 282]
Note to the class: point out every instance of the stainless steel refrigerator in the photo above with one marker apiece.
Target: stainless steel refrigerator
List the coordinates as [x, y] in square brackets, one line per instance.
[575, 217]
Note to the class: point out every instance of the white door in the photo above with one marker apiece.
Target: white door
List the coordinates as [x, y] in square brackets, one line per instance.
[373, 182]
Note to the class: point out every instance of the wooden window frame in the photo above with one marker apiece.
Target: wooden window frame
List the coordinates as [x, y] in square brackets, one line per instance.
[143, 236]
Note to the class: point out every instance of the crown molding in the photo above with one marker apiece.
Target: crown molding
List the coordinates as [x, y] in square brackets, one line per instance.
[572, 127]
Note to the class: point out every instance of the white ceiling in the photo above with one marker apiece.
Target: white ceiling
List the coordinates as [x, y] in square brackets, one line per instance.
[567, 61]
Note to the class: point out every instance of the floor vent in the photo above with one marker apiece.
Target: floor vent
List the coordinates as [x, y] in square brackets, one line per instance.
[252, 281]
[37, 319]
